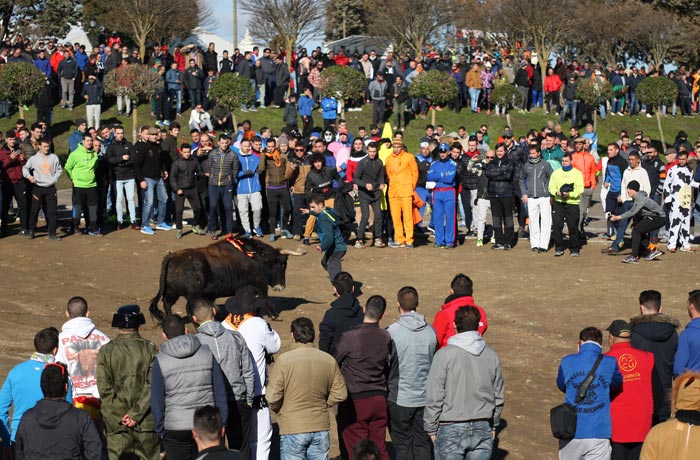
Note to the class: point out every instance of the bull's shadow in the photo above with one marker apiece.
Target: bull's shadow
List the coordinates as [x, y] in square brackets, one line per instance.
[280, 304]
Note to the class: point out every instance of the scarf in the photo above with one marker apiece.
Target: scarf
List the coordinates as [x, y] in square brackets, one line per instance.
[236, 320]
[42, 357]
[534, 161]
[567, 168]
[358, 155]
[276, 157]
[688, 416]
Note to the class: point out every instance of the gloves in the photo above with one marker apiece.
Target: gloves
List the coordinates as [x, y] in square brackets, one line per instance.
[247, 172]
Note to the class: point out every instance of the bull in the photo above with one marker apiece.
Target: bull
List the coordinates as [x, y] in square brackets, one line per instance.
[218, 270]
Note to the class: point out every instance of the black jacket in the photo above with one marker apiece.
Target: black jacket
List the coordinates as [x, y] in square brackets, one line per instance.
[211, 60]
[469, 180]
[500, 173]
[225, 66]
[147, 158]
[55, 429]
[369, 172]
[184, 173]
[123, 169]
[345, 313]
[321, 181]
[657, 334]
[219, 453]
[193, 78]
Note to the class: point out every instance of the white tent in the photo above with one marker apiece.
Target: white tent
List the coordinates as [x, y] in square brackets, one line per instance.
[77, 34]
[202, 38]
[248, 43]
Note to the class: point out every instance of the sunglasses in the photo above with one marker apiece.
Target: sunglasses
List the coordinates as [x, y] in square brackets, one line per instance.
[490, 158]
[299, 150]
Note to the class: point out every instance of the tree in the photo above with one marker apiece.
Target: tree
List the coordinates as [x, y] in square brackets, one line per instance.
[20, 82]
[148, 20]
[409, 23]
[290, 21]
[135, 81]
[505, 95]
[343, 83]
[231, 90]
[38, 17]
[661, 35]
[438, 87]
[594, 92]
[656, 92]
[345, 18]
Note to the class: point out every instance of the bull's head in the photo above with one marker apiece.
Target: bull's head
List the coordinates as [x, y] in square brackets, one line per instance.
[279, 268]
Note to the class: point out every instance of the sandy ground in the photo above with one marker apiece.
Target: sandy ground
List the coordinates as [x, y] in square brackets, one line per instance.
[536, 303]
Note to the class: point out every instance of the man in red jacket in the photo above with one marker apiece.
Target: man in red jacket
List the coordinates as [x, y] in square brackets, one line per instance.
[12, 159]
[461, 290]
[632, 409]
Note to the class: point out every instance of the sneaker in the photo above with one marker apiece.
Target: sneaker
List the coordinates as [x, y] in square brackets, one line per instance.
[305, 242]
[687, 249]
[178, 235]
[213, 236]
[253, 109]
[97, 233]
[449, 246]
[163, 226]
[378, 243]
[258, 232]
[54, 237]
[30, 235]
[507, 247]
[574, 254]
[438, 245]
[610, 251]
[479, 243]
[286, 234]
[395, 245]
[537, 250]
[558, 253]
[247, 235]
[653, 254]
[542, 250]
[359, 244]
[243, 109]
[410, 246]
[24, 231]
[273, 238]
[498, 247]
[296, 237]
[630, 260]
[135, 227]
[198, 230]
[147, 230]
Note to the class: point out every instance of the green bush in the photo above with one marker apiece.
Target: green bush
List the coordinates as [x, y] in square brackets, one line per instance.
[231, 90]
[20, 82]
[657, 91]
[594, 92]
[343, 83]
[438, 87]
[505, 95]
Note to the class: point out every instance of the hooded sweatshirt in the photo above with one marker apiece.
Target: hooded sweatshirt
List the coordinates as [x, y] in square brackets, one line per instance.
[688, 353]
[445, 318]
[78, 345]
[344, 314]
[231, 352]
[81, 166]
[464, 383]
[413, 344]
[56, 429]
[185, 376]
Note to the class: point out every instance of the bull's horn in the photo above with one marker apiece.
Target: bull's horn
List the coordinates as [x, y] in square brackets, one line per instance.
[289, 252]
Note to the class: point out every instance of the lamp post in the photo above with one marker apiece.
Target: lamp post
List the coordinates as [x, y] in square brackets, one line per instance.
[93, 25]
[235, 24]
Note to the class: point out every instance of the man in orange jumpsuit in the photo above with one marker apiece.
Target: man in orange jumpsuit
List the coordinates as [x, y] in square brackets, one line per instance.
[402, 172]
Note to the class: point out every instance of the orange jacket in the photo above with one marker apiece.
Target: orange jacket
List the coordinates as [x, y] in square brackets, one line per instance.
[584, 162]
[402, 172]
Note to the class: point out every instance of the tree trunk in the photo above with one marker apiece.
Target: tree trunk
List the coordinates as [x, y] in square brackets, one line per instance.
[661, 130]
[289, 49]
[20, 106]
[432, 116]
[234, 123]
[508, 119]
[141, 43]
[134, 120]
[595, 119]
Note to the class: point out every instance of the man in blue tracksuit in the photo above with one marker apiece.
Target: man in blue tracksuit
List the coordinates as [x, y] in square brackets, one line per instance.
[444, 173]
[593, 426]
[613, 180]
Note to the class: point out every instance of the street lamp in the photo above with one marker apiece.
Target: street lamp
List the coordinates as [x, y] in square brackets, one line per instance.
[93, 22]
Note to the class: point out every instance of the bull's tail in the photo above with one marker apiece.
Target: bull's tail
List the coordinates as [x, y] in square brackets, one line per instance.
[156, 312]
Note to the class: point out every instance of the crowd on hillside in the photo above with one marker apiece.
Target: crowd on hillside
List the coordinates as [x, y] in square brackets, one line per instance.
[438, 389]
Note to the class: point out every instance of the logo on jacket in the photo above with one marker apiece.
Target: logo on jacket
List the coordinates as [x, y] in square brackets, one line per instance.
[627, 363]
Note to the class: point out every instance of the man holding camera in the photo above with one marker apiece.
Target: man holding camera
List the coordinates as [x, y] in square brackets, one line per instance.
[566, 187]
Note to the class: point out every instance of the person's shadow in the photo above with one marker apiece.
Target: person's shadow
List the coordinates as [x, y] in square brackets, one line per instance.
[498, 453]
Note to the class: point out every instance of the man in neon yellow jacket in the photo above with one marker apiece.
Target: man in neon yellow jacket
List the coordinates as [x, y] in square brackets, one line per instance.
[80, 167]
[566, 187]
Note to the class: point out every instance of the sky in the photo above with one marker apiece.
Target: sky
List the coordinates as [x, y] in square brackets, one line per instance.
[223, 12]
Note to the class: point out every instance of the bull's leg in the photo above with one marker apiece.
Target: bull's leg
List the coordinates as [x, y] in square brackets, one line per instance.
[270, 310]
[168, 302]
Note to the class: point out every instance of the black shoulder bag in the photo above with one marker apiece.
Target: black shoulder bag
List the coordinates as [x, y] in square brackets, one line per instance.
[563, 417]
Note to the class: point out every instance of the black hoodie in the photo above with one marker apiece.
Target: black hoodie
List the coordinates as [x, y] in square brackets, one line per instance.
[55, 429]
[344, 314]
[657, 334]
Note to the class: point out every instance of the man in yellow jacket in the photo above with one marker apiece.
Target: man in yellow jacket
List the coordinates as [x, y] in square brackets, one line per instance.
[402, 173]
[566, 186]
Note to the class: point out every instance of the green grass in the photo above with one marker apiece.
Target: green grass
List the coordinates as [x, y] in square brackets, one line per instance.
[63, 123]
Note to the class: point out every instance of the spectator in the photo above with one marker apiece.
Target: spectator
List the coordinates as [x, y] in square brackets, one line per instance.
[193, 79]
[378, 92]
[67, 72]
[208, 431]
[123, 379]
[369, 179]
[304, 383]
[566, 186]
[465, 388]
[413, 343]
[443, 172]
[593, 427]
[43, 171]
[688, 353]
[119, 155]
[150, 166]
[363, 354]
[402, 174]
[585, 162]
[92, 93]
[500, 173]
[80, 168]
[185, 375]
[53, 427]
[344, 313]
[184, 174]
[13, 160]
[249, 191]
[534, 189]
[274, 166]
[200, 120]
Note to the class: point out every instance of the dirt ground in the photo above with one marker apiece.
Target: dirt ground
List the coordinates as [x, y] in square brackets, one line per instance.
[536, 303]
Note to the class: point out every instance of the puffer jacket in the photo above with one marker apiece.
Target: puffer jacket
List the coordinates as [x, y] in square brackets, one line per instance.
[501, 175]
[223, 167]
[534, 179]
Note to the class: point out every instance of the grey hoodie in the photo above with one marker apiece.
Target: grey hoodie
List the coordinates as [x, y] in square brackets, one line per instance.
[231, 352]
[413, 344]
[46, 169]
[472, 389]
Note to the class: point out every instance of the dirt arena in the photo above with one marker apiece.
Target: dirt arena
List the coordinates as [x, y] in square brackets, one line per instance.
[536, 303]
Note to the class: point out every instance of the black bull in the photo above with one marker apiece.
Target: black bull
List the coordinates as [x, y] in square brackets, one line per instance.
[218, 270]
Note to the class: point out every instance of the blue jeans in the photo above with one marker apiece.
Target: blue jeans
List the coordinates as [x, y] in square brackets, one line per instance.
[474, 98]
[225, 194]
[569, 106]
[464, 441]
[195, 96]
[536, 98]
[621, 225]
[633, 104]
[154, 186]
[125, 189]
[176, 95]
[305, 446]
